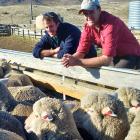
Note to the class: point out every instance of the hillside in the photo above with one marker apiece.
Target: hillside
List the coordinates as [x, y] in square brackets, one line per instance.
[20, 14]
[44, 2]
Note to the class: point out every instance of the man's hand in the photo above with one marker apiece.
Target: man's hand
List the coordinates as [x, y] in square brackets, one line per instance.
[51, 52]
[56, 50]
[69, 60]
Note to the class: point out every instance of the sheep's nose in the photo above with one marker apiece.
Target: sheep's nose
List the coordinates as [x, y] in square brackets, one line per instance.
[135, 103]
[47, 117]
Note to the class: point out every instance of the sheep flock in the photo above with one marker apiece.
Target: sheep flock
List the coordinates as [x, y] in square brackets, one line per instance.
[27, 113]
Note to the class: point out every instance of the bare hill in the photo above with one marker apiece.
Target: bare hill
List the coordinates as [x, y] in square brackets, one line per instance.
[44, 2]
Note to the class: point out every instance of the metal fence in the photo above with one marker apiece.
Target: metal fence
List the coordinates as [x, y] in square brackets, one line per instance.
[5, 30]
[26, 32]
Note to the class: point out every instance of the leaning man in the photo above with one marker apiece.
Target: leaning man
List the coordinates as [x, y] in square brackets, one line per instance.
[59, 39]
[119, 46]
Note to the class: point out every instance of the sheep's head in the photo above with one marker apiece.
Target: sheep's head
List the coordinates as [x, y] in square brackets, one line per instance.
[106, 114]
[130, 97]
[48, 109]
[103, 105]
[49, 116]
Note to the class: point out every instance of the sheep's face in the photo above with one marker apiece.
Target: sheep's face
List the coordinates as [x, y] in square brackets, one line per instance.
[48, 109]
[103, 105]
[130, 97]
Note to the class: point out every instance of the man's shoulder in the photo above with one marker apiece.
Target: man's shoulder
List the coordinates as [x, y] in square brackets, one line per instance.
[107, 17]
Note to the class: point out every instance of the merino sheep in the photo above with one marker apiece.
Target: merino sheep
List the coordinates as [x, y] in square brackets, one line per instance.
[134, 132]
[7, 103]
[10, 123]
[8, 135]
[103, 116]
[19, 80]
[26, 93]
[131, 99]
[51, 119]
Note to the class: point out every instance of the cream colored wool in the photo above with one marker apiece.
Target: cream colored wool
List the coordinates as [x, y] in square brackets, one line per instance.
[7, 103]
[61, 127]
[134, 132]
[26, 93]
[128, 95]
[19, 80]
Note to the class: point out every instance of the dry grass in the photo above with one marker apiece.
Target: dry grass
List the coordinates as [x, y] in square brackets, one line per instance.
[17, 43]
[20, 14]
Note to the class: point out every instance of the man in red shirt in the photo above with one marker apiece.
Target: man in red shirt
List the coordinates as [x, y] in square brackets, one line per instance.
[119, 46]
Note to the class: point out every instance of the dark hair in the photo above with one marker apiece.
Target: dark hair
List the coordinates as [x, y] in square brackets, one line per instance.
[51, 16]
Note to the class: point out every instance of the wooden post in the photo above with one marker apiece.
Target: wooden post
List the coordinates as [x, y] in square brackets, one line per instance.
[28, 33]
[41, 33]
[12, 31]
[35, 33]
[18, 31]
[23, 33]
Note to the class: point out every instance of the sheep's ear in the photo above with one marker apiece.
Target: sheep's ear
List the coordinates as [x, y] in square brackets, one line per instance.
[135, 103]
[108, 112]
[70, 106]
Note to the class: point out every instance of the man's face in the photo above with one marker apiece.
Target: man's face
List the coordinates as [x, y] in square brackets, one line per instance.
[50, 27]
[92, 16]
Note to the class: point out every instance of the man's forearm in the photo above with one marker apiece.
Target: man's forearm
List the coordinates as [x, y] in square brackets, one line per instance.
[45, 53]
[95, 62]
[79, 55]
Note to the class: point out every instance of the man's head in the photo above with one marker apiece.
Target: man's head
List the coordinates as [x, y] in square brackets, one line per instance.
[91, 9]
[49, 21]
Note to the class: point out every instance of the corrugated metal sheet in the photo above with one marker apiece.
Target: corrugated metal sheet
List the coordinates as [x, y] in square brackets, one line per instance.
[134, 15]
